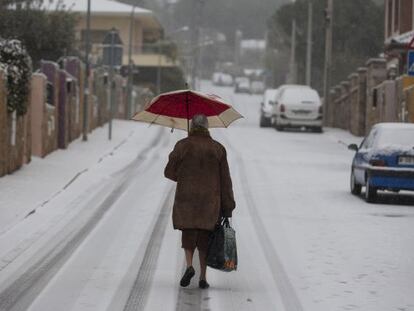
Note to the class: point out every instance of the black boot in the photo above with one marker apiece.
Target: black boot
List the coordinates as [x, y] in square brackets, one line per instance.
[203, 284]
[188, 275]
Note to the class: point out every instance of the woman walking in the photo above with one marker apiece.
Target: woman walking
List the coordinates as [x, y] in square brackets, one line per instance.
[204, 192]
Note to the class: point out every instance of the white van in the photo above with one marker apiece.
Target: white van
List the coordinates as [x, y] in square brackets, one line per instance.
[269, 100]
[297, 106]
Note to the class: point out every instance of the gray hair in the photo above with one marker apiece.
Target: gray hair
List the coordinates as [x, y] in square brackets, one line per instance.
[199, 120]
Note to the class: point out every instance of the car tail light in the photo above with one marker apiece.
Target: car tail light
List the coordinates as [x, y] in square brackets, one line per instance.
[320, 110]
[378, 162]
[282, 108]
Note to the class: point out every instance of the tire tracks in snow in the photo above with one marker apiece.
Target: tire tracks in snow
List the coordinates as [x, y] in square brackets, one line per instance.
[26, 287]
[189, 299]
[288, 294]
[141, 288]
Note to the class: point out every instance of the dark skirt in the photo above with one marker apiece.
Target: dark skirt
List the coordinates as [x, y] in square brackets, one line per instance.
[195, 238]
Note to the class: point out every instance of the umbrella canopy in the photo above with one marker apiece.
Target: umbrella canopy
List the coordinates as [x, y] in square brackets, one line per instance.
[175, 109]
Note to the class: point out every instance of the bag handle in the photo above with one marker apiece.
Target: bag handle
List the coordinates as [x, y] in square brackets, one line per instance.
[225, 222]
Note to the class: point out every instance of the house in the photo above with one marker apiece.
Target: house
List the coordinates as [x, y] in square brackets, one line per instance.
[399, 21]
[108, 14]
[399, 31]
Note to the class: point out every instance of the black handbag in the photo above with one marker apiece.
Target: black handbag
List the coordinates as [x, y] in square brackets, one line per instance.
[215, 251]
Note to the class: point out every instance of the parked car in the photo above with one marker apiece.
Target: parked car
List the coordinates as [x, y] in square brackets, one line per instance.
[226, 80]
[384, 160]
[269, 100]
[297, 106]
[222, 79]
[242, 85]
[257, 87]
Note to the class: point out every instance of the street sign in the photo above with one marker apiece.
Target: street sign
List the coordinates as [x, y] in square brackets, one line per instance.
[410, 63]
[112, 49]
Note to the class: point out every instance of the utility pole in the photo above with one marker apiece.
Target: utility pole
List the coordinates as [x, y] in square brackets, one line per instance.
[328, 58]
[292, 71]
[111, 82]
[130, 66]
[309, 45]
[239, 37]
[87, 70]
[200, 58]
[196, 22]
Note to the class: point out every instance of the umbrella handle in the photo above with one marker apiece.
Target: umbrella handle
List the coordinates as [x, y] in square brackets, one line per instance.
[188, 113]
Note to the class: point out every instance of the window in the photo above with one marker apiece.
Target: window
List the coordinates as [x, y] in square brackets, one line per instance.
[369, 141]
[97, 36]
[396, 136]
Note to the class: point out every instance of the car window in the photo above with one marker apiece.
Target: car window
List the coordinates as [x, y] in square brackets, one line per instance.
[369, 140]
[395, 136]
[301, 95]
[279, 95]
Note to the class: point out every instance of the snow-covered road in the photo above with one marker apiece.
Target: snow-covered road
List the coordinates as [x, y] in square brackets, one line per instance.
[105, 242]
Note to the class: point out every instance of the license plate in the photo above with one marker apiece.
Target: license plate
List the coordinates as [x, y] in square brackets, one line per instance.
[406, 160]
[301, 111]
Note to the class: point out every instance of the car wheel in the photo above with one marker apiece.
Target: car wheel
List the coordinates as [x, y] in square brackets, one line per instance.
[355, 187]
[370, 192]
[262, 121]
[318, 130]
[279, 128]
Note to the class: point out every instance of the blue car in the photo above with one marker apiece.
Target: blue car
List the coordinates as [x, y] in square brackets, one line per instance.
[384, 160]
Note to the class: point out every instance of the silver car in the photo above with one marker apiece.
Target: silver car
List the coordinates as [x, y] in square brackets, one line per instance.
[297, 106]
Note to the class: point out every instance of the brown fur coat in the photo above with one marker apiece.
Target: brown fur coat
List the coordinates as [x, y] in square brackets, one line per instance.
[204, 189]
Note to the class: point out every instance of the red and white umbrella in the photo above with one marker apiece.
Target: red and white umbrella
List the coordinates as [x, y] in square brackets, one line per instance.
[176, 109]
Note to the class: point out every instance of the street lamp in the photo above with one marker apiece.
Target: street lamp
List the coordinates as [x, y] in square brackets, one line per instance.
[130, 65]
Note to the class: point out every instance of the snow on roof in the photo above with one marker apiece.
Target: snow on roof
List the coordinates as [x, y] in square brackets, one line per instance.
[297, 95]
[100, 7]
[253, 44]
[404, 38]
[249, 72]
[270, 94]
[288, 86]
[271, 91]
[394, 125]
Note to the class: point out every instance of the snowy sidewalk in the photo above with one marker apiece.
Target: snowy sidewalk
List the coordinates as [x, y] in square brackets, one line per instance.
[35, 185]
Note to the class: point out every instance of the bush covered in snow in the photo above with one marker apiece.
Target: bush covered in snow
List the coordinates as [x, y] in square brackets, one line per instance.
[17, 65]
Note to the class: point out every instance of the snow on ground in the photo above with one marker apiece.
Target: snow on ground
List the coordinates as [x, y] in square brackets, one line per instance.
[341, 253]
[37, 183]
[106, 241]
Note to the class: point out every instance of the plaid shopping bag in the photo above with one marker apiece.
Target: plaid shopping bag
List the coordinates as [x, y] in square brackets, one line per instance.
[222, 249]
